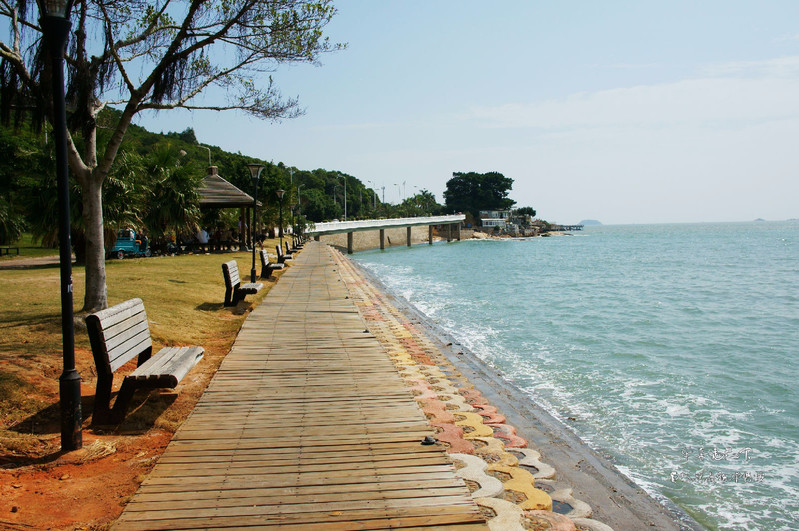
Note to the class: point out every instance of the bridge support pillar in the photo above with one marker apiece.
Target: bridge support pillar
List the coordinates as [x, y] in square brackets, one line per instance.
[408, 235]
[317, 238]
[382, 239]
[449, 232]
[349, 243]
[458, 232]
[430, 234]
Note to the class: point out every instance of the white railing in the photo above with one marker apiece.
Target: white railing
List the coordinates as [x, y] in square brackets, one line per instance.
[335, 227]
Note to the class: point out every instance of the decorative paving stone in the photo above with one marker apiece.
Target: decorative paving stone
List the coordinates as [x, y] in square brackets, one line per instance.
[472, 425]
[547, 520]
[490, 414]
[493, 451]
[532, 459]
[564, 502]
[475, 471]
[452, 437]
[523, 482]
[508, 436]
[508, 515]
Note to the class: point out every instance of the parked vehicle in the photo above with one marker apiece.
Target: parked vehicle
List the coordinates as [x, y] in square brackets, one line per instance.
[128, 244]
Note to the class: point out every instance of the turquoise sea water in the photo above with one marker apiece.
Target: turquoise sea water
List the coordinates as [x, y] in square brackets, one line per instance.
[674, 348]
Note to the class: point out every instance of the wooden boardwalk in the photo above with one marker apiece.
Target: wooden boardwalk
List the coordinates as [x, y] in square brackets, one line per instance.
[306, 425]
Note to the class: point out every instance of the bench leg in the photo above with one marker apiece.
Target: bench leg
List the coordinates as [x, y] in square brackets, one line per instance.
[237, 296]
[122, 402]
[229, 297]
[102, 401]
[266, 272]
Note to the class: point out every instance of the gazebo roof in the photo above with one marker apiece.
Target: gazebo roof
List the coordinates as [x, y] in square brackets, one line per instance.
[216, 192]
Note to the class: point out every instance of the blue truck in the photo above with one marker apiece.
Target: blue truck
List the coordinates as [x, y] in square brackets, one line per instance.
[129, 244]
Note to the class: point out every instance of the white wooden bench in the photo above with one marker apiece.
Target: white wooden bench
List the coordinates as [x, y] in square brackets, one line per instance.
[281, 258]
[266, 266]
[234, 289]
[117, 335]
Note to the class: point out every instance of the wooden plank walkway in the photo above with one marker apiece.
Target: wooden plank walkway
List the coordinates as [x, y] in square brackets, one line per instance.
[306, 425]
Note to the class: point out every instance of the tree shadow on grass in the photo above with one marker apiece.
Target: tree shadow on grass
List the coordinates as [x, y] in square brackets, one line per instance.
[240, 309]
[210, 307]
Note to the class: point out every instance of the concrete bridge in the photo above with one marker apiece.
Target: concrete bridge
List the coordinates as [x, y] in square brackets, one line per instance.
[350, 227]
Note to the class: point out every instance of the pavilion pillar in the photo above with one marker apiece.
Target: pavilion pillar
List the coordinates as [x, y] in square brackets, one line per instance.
[349, 243]
[408, 235]
[382, 239]
[430, 234]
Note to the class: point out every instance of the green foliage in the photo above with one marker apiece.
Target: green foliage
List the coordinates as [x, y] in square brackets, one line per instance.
[422, 204]
[472, 192]
[12, 224]
[525, 211]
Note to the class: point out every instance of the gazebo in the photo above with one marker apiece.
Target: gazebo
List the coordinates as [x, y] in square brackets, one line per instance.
[216, 192]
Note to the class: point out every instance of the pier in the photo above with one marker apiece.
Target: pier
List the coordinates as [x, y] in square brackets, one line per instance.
[307, 424]
[453, 223]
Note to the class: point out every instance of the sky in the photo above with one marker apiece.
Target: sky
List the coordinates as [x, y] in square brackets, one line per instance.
[624, 112]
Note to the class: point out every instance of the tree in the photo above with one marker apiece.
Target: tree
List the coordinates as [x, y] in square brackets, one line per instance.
[472, 192]
[525, 211]
[153, 56]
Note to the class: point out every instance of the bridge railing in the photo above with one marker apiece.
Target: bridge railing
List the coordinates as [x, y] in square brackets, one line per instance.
[337, 227]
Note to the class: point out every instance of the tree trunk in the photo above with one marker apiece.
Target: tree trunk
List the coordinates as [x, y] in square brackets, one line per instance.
[96, 295]
[79, 246]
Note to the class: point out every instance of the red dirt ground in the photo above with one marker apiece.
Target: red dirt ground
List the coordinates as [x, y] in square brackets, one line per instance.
[85, 489]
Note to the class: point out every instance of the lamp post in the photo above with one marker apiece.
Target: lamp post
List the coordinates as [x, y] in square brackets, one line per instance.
[345, 196]
[280, 200]
[55, 30]
[291, 189]
[255, 173]
[299, 203]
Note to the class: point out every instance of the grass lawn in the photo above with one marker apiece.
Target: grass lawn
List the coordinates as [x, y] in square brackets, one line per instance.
[183, 298]
[29, 249]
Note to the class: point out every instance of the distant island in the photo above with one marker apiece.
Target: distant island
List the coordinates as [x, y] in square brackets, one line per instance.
[590, 222]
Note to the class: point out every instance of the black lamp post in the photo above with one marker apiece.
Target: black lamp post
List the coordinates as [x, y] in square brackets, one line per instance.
[55, 30]
[299, 203]
[255, 172]
[280, 200]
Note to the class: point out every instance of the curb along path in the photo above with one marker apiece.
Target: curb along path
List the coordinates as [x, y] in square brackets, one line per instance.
[306, 425]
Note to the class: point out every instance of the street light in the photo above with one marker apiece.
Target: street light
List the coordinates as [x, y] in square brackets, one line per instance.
[55, 30]
[291, 188]
[255, 173]
[299, 203]
[280, 199]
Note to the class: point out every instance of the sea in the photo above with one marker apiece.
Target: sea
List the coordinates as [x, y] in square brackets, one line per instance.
[671, 348]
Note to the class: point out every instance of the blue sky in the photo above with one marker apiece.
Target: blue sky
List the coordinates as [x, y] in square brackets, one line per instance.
[626, 112]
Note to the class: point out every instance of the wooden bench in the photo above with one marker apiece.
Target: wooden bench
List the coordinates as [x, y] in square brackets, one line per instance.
[6, 249]
[281, 258]
[117, 335]
[266, 266]
[234, 289]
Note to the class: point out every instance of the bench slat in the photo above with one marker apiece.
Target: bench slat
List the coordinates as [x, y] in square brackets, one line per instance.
[116, 314]
[168, 367]
[181, 363]
[251, 287]
[129, 349]
[119, 335]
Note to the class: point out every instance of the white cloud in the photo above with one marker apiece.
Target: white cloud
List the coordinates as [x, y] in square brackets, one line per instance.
[737, 92]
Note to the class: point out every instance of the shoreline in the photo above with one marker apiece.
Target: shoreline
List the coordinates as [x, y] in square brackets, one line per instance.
[615, 498]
